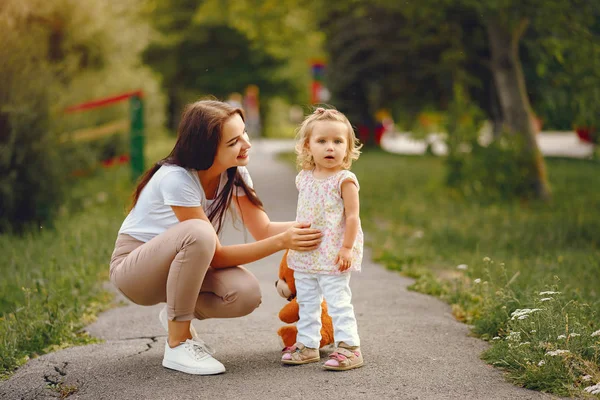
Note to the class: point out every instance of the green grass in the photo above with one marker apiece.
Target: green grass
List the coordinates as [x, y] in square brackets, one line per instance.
[417, 225]
[53, 280]
[512, 251]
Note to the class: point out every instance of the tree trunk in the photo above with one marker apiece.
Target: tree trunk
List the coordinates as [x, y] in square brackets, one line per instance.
[512, 93]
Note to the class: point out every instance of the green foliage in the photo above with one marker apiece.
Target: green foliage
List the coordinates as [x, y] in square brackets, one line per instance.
[56, 54]
[415, 224]
[283, 29]
[498, 171]
[492, 171]
[196, 65]
[52, 282]
[382, 57]
[546, 343]
[565, 78]
[217, 48]
[30, 168]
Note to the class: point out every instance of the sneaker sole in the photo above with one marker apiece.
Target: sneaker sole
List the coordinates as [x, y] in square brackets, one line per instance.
[192, 371]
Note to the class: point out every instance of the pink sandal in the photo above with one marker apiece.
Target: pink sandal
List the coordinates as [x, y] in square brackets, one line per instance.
[343, 359]
[300, 354]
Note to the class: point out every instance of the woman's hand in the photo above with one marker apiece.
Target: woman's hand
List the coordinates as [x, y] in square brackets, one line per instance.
[301, 238]
[344, 259]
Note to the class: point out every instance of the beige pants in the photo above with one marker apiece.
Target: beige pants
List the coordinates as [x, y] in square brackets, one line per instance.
[174, 267]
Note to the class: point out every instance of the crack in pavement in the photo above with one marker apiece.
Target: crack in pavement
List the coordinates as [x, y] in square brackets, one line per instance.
[149, 345]
[53, 379]
[56, 383]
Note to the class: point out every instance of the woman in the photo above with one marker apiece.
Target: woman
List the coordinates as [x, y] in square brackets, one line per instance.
[168, 248]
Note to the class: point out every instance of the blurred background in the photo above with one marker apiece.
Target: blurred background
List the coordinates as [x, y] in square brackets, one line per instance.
[480, 119]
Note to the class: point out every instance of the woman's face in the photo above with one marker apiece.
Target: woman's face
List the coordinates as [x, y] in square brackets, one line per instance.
[233, 151]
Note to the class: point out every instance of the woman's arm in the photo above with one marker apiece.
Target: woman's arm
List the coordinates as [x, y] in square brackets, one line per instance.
[296, 237]
[257, 221]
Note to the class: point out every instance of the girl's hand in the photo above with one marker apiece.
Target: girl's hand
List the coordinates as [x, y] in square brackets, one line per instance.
[344, 258]
[299, 237]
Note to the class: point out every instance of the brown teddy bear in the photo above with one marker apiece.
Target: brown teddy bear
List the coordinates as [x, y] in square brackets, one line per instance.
[289, 313]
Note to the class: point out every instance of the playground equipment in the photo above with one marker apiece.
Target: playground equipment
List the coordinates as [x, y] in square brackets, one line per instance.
[135, 123]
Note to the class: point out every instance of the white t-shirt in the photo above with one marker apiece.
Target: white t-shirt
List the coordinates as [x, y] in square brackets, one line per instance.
[170, 186]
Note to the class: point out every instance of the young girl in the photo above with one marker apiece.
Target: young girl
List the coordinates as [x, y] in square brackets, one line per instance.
[328, 199]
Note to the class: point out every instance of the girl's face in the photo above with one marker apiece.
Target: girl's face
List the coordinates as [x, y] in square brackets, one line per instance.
[328, 144]
[233, 151]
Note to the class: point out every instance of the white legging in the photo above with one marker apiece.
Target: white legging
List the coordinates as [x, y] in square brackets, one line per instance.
[310, 290]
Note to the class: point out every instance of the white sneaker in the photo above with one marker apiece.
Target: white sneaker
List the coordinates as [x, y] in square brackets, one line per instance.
[164, 320]
[191, 357]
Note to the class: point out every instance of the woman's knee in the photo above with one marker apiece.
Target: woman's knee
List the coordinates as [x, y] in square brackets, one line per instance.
[198, 232]
[249, 295]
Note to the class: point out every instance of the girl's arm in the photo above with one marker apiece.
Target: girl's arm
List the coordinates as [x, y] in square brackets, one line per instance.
[351, 211]
[257, 221]
[296, 237]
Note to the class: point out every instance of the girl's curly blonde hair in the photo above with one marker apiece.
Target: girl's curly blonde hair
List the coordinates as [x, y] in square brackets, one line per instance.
[303, 158]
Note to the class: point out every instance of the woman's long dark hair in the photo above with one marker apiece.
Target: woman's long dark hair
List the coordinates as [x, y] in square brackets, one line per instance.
[198, 138]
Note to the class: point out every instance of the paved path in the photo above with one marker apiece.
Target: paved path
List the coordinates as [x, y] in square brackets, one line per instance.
[413, 347]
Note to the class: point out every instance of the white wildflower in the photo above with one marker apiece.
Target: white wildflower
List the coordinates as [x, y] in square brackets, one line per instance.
[496, 338]
[486, 259]
[524, 344]
[597, 333]
[418, 234]
[514, 336]
[462, 266]
[593, 389]
[548, 293]
[523, 316]
[560, 337]
[542, 362]
[574, 334]
[521, 312]
[477, 280]
[546, 299]
[557, 352]
[586, 378]
[533, 331]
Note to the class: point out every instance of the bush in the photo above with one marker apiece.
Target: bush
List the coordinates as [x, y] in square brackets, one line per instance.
[31, 183]
[489, 171]
[500, 170]
[53, 285]
[55, 54]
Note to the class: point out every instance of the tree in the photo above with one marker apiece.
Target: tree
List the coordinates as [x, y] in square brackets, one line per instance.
[55, 54]
[380, 57]
[218, 47]
[216, 60]
[284, 29]
[505, 22]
